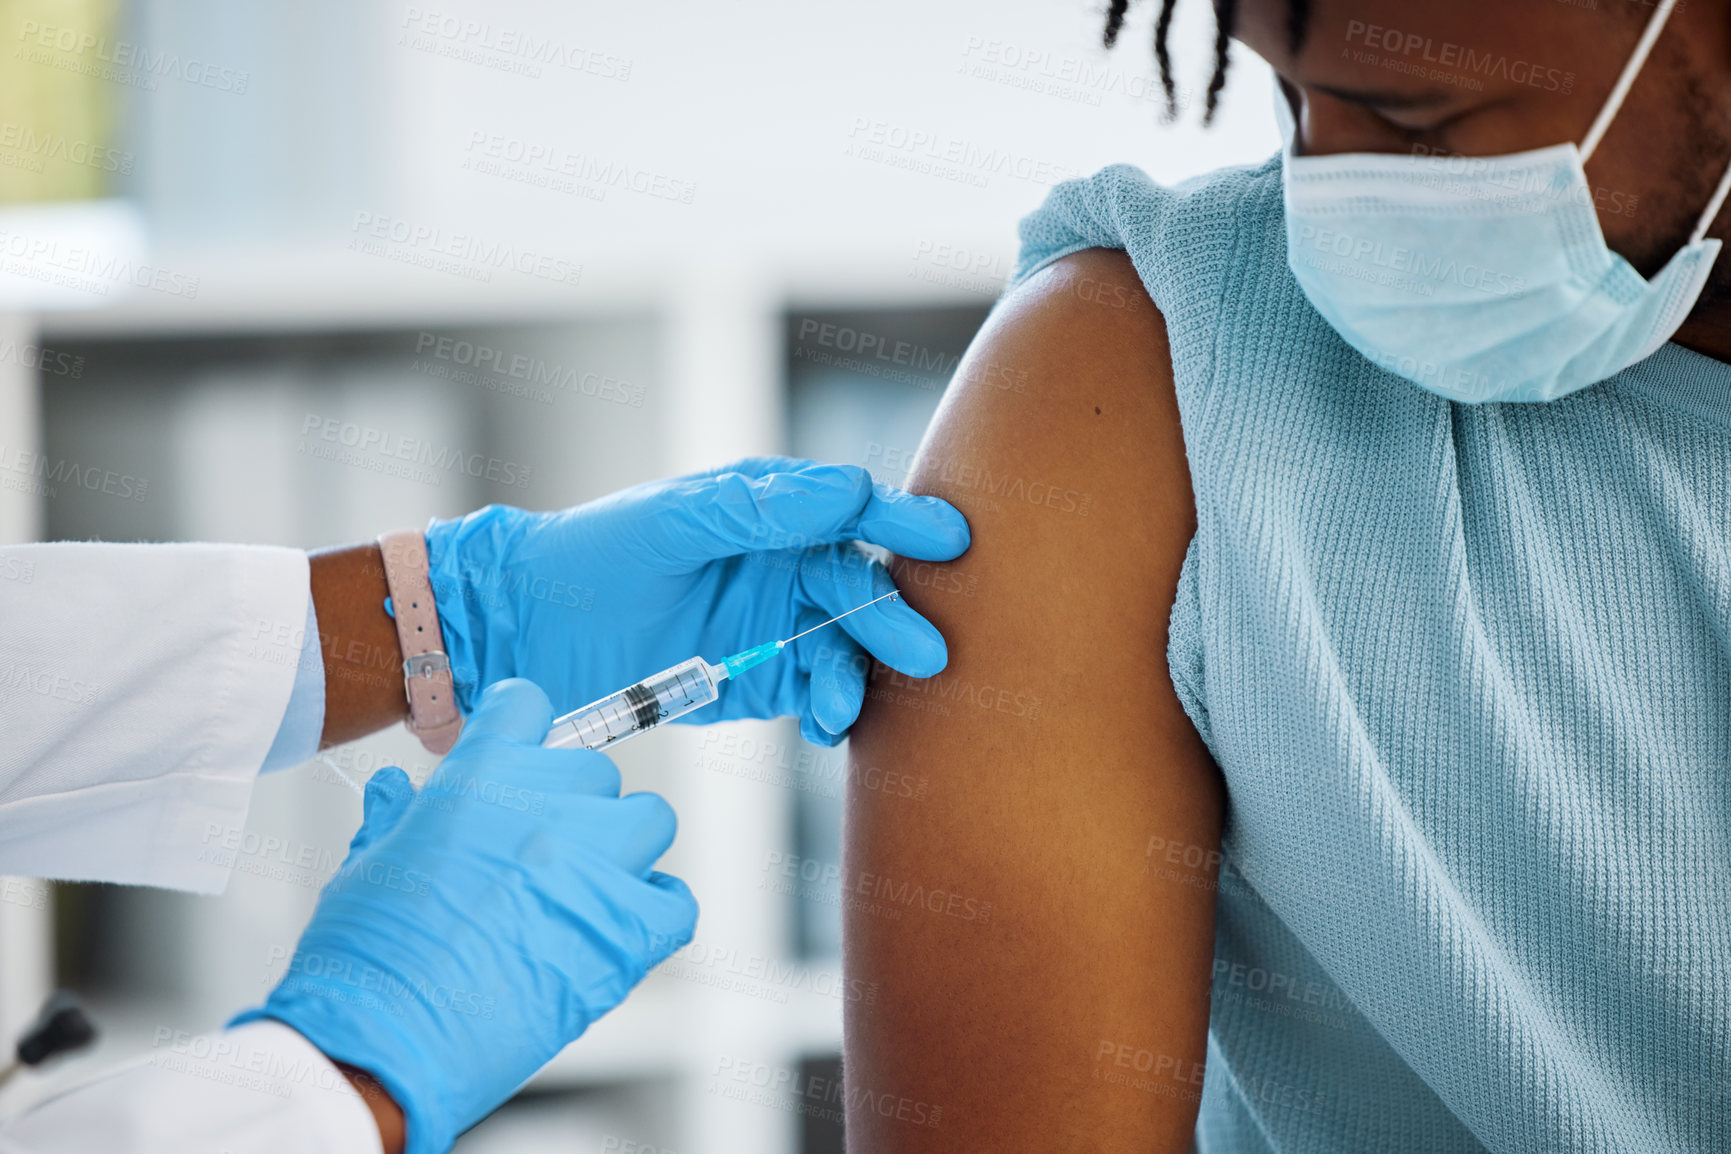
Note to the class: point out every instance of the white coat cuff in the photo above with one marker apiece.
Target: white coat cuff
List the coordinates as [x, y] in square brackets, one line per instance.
[261, 1088]
[297, 738]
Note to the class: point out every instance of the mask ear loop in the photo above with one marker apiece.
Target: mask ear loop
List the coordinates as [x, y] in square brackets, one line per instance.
[1614, 103]
[1713, 207]
[1656, 25]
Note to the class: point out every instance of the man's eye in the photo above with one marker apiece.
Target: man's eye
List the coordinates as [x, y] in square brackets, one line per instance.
[1414, 123]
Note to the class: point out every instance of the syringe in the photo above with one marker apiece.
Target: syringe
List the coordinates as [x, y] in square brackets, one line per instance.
[673, 692]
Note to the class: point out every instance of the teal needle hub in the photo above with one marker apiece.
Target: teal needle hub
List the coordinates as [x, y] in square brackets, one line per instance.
[746, 658]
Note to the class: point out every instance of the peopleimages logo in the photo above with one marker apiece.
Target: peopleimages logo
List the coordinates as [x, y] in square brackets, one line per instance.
[940, 154]
[503, 47]
[1418, 271]
[382, 451]
[39, 146]
[1456, 62]
[531, 370]
[458, 252]
[19, 676]
[22, 470]
[88, 270]
[114, 59]
[312, 968]
[582, 168]
[42, 358]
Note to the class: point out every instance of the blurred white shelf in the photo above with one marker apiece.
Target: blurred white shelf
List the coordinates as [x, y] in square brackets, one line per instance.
[70, 254]
[334, 289]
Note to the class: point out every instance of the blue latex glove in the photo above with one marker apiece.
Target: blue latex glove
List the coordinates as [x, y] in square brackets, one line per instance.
[479, 926]
[589, 600]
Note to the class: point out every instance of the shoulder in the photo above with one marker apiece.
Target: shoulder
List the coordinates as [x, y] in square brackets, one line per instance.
[1086, 318]
[1059, 438]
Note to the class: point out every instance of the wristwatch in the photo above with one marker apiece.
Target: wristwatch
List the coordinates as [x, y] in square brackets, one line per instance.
[433, 713]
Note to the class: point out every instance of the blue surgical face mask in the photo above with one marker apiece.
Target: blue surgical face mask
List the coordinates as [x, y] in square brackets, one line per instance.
[1483, 278]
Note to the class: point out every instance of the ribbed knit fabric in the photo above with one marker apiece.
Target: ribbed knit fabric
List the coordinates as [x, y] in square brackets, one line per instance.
[1467, 671]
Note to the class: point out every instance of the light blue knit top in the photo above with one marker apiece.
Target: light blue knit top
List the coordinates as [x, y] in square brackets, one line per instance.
[1467, 671]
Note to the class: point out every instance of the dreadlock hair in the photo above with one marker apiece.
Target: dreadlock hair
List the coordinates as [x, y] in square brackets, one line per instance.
[1225, 18]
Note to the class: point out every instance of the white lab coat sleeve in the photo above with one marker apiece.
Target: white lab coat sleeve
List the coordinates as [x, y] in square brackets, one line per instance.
[140, 689]
[258, 1089]
[297, 738]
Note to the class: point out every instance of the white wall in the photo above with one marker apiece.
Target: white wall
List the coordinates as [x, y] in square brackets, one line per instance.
[760, 108]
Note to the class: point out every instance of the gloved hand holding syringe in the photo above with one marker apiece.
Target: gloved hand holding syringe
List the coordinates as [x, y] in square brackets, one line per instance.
[664, 696]
[586, 600]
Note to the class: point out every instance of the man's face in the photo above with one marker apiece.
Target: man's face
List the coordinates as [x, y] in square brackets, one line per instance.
[1490, 77]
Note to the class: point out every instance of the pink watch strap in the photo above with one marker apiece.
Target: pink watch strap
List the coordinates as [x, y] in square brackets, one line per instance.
[433, 713]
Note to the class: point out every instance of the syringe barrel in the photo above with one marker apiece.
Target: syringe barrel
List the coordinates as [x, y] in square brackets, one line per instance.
[635, 709]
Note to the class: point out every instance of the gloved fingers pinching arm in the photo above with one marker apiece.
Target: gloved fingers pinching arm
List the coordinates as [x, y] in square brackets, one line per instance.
[777, 504]
[839, 578]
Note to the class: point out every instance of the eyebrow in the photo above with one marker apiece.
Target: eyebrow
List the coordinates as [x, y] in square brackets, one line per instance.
[1384, 99]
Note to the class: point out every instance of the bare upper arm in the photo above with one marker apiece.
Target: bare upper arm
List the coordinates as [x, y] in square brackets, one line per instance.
[1039, 986]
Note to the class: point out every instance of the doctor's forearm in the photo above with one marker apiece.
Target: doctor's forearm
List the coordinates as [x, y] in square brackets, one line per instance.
[363, 661]
[387, 1115]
